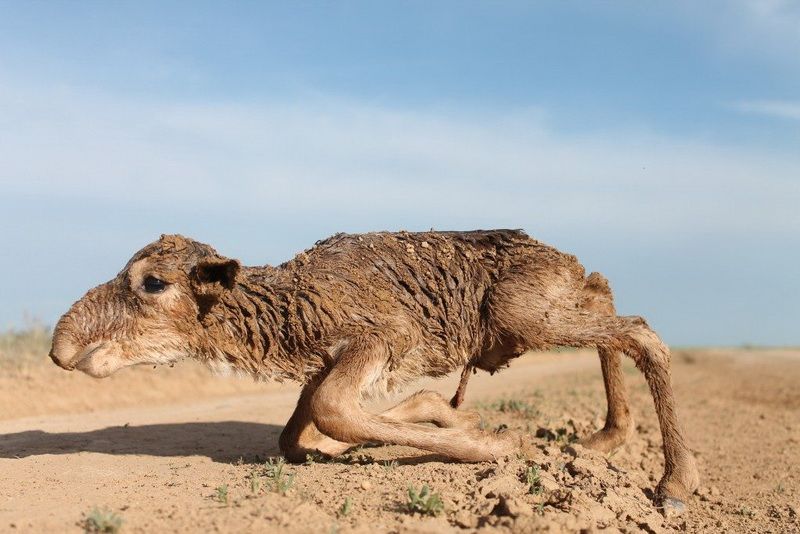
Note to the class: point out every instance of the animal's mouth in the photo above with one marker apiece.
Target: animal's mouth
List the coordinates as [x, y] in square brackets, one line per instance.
[85, 355]
[66, 355]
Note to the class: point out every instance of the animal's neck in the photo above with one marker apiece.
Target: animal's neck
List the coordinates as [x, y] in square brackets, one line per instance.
[260, 328]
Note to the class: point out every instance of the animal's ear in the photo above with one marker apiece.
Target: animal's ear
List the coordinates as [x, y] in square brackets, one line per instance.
[211, 277]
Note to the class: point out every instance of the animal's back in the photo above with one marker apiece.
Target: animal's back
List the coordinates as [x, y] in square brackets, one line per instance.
[428, 287]
[491, 249]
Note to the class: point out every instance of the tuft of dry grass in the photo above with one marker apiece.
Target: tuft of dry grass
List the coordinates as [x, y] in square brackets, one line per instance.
[23, 348]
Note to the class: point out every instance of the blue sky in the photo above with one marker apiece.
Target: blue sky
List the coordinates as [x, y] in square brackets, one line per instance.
[658, 141]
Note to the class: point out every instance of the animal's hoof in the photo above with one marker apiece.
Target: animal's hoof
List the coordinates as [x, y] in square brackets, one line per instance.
[606, 440]
[469, 420]
[506, 443]
[672, 507]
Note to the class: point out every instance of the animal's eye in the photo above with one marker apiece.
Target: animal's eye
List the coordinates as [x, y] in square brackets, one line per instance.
[154, 285]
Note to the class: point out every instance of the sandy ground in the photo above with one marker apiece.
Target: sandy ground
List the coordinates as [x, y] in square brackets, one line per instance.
[179, 450]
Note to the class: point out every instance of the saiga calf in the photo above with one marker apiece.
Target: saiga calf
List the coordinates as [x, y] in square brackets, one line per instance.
[363, 315]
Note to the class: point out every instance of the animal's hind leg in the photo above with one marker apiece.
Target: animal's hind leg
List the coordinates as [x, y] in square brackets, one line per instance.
[619, 422]
[632, 336]
[596, 297]
[652, 358]
[577, 314]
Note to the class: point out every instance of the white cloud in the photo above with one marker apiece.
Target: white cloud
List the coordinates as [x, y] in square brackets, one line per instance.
[781, 109]
[378, 165]
[677, 223]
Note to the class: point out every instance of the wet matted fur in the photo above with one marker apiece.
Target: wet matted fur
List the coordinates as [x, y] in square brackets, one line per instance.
[364, 315]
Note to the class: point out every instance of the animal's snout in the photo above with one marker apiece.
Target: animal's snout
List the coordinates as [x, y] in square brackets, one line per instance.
[62, 353]
[58, 362]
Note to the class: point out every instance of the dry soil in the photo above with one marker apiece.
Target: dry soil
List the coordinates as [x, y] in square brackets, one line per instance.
[176, 449]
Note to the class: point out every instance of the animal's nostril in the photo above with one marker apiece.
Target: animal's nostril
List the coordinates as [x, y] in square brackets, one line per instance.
[59, 362]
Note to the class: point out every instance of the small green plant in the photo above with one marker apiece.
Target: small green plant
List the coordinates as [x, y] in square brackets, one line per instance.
[561, 436]
[389, 465]
[275, 471]
[102, 520]
[516, 406]
[255, 482]
[746, 512]
[346, 507]
[273, 467]
[317, 458]
[534, 480]
[222, 494]
[424, 501]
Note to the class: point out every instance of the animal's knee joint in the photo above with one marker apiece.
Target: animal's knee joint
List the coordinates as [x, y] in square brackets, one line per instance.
[335, 415]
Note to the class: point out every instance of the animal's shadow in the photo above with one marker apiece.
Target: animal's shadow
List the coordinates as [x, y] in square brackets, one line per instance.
[224, 441]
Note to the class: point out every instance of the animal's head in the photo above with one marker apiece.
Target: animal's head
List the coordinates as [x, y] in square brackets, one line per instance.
[150, 313]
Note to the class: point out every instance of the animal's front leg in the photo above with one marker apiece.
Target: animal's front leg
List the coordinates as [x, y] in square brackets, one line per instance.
[301, 437]
[429, 407]
[461, 392]
[336, 410]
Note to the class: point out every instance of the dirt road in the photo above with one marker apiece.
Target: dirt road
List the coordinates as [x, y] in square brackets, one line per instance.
[177, 450]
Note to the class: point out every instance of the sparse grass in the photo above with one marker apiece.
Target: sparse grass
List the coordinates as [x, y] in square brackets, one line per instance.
[424, 501]
[560, 436]
[255, 482]
[317, 458]
[746, 512]
[275, 471]
[346, 507]
[533, 480]
[222, 494]
[512, 405]
[25, 347]
[389, 465]
[102, 520]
